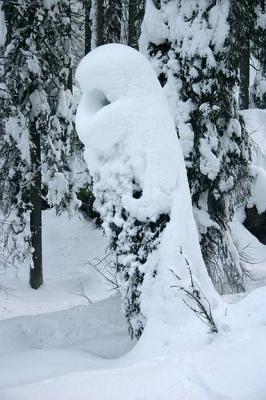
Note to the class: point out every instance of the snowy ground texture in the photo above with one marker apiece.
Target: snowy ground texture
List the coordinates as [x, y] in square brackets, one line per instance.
[69, 244]
[56, 344]
[73, 353]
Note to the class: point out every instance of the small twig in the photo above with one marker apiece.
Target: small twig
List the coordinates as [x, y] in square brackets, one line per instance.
[196, 295]
[103, 268]
[82, 293]
[248, 258]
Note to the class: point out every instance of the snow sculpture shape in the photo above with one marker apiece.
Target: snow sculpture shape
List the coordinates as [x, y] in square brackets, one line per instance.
[140, 181]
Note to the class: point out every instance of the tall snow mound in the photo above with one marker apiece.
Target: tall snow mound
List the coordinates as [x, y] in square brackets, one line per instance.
[125, 125]
[137, 165]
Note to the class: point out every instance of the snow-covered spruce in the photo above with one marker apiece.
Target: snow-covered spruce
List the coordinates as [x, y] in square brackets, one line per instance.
[193, 52]
[140, 182]
[258, 45]
[39, 145]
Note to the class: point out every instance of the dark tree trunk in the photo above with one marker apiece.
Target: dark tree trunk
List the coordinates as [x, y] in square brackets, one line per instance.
[256, 223]
[99, 23]
[36, 273]
[244, 78]
[87, 6]
[70, 79]
[132, 11]
[69, 83]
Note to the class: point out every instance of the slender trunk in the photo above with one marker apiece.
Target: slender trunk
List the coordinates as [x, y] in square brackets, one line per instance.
[132, 22]
[99, 23]
[69, 83]
[36, 273]
[70, 79]
[244, 78]
[87, 5]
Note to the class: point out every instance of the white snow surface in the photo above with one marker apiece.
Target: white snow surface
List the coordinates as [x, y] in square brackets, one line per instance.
[68, 245]
[73, 355]
[82, 351]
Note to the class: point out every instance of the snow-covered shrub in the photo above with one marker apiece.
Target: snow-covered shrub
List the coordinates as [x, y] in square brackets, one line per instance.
[193, 51]
[139, 180]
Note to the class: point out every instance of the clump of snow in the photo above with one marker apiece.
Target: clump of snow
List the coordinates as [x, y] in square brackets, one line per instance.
[157, 31]
[117, 144]
[57, 187]
[129, 135]
[17, 128]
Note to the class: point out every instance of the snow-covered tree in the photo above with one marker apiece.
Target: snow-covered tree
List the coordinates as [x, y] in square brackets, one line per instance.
[97, 23]
[140, 184]
[38, 142]
[244, 10]
[112, 21]
[87, 25]
[194, 48]
[258, 48]
[135, 16]
[116, 21]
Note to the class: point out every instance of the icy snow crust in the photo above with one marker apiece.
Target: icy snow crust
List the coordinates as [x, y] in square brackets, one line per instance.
[128, 133]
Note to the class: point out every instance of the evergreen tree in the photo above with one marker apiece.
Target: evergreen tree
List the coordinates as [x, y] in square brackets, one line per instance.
[97, 23]
[116, 21]
[258, 46]
[135, 16]
[38, 142]
[246, 11]
[195, 50]
[112, 21]
[87, 30]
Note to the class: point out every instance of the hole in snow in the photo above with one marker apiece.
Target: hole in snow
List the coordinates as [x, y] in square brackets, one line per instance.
[137, 194]
[97, 100]
[137, 191]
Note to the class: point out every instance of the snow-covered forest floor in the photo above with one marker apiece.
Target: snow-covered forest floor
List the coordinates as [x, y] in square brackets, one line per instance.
[65, 340]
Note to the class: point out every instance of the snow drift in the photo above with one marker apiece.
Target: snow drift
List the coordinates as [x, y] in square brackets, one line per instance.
[138, 169]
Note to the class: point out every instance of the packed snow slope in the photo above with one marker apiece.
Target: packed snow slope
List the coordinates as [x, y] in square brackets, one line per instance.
[226, 366]
[72, 353]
